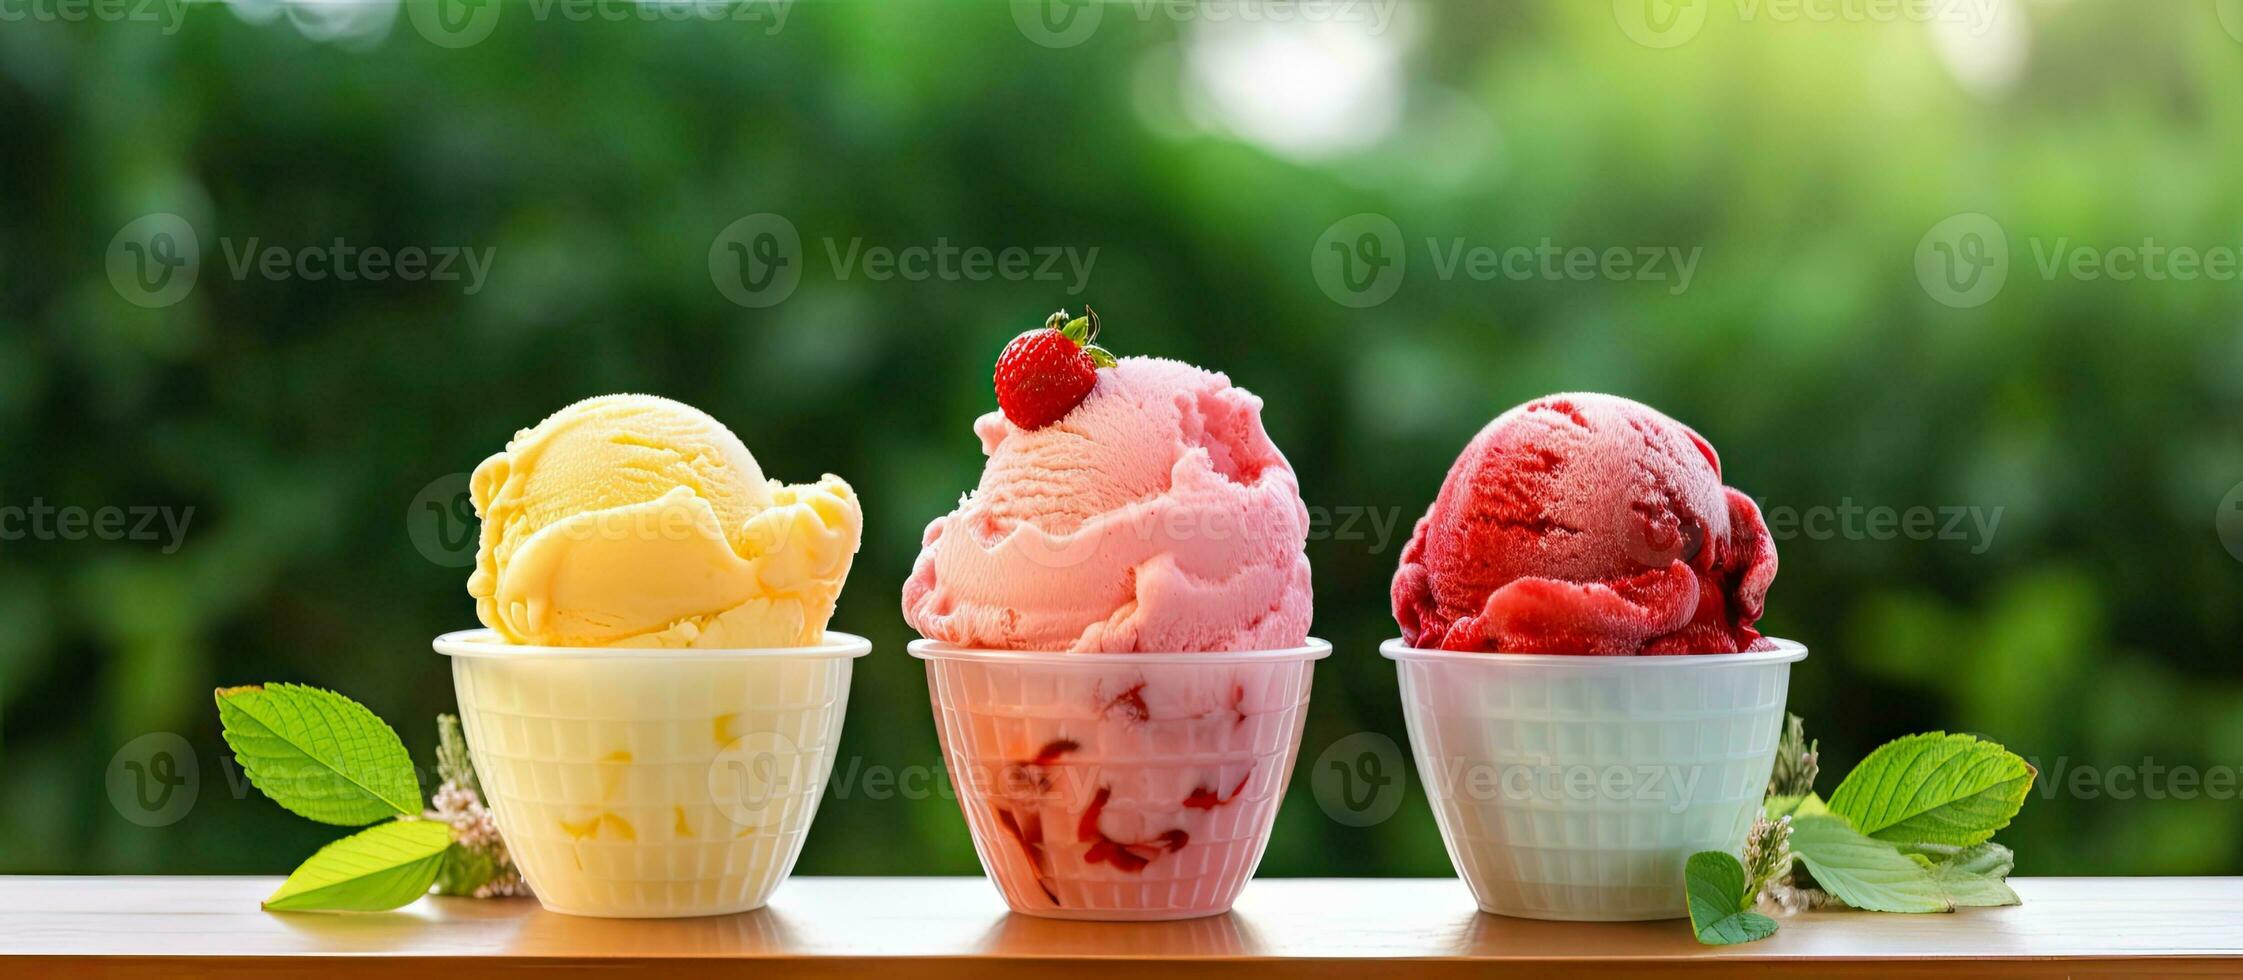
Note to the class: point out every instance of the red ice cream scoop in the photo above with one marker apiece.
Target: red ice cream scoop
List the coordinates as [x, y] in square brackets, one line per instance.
[1586, 524]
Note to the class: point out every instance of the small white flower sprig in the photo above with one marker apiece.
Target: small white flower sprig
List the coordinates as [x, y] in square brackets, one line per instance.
[479, 865]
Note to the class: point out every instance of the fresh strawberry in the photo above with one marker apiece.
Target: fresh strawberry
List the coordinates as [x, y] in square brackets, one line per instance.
[1043, 374]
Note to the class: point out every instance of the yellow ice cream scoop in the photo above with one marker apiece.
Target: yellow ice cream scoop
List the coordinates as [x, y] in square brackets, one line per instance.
[632, 520]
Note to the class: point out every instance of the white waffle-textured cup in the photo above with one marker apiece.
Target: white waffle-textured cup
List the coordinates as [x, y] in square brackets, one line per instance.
[1575, 787]
[652, 783]
[1120, 786]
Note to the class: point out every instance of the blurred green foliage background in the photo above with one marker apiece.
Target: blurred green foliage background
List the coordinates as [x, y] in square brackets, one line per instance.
[1203, 158]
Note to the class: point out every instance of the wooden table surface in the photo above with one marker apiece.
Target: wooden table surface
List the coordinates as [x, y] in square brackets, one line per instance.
[911, 927]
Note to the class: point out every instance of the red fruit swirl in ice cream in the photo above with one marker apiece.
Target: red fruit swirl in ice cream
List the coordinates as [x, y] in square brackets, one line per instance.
[1021, 806]
[1586, 524]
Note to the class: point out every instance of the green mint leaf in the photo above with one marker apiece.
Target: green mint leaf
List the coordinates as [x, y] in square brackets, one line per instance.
[381, 867]
[1810, 805]
[1988, 859]
[1934, 789]
[1971, 876]
[1715, 882]
[1863, 872]
[318, 753]
[1962, 888]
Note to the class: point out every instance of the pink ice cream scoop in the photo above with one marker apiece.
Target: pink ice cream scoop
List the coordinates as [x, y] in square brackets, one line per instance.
[1156, 516]
[1587, 524]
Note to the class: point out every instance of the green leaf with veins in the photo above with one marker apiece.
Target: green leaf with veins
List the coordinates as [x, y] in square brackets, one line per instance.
[381, 867]
[1863, 872]
[1715, 884]
[1934, 789]
[318, 753]
[1989, 859]
[1970, 876]
[1964, 889]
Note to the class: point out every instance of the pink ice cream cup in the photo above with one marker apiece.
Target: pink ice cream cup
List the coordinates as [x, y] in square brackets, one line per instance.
[1117, 646]
[1120, 786]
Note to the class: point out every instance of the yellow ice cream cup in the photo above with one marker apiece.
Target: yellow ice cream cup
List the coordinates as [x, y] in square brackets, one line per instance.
[652, 782]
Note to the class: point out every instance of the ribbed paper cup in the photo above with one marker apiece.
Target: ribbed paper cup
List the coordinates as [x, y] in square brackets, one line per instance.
[1124, 786]
[652, 783]
[1575, 787]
